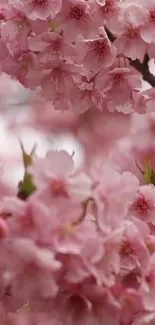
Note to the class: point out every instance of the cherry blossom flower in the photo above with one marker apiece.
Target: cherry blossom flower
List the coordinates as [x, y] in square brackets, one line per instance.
[130, 42]
[75, 18]
[77, 242]
[34, 260]
[59, 77]
[119, 85]
[41, 9]
[124, 250]
[110, 203]
[27, 70]
[99, 52]
[147, 29]
[144, 203]
[147, 285]
[108, 12]
[87, 96]
[16, 28]
[50, 45]
[56, 171]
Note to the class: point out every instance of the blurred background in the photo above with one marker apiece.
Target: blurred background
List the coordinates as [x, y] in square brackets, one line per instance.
[13, 103]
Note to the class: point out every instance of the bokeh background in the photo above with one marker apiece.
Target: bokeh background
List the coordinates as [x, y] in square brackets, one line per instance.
[13, 105]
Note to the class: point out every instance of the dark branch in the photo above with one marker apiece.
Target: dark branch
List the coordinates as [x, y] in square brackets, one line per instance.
[146, 60]
[144, 70]
[143, 67]
[111, 36]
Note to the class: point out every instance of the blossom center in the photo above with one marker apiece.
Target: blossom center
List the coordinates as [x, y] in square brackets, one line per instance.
[100, 47]
[40, 2]
[132, 32]
[58, 188]
[141, 205]
[126, 249]
[118, 79]
[76, 12]
[109, 8]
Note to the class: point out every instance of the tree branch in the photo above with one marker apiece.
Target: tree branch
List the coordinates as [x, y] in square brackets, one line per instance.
[147, 75]
[143, 67]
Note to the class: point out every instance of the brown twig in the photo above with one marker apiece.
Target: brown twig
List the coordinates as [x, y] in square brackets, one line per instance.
[147, 75]
[143, 67]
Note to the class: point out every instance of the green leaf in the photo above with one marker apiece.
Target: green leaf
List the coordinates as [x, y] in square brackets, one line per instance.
[149, 174]
[27, 158]
[26, 187]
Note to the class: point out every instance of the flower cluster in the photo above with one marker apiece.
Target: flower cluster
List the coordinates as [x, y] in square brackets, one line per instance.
[77, 245]
[62, 48]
